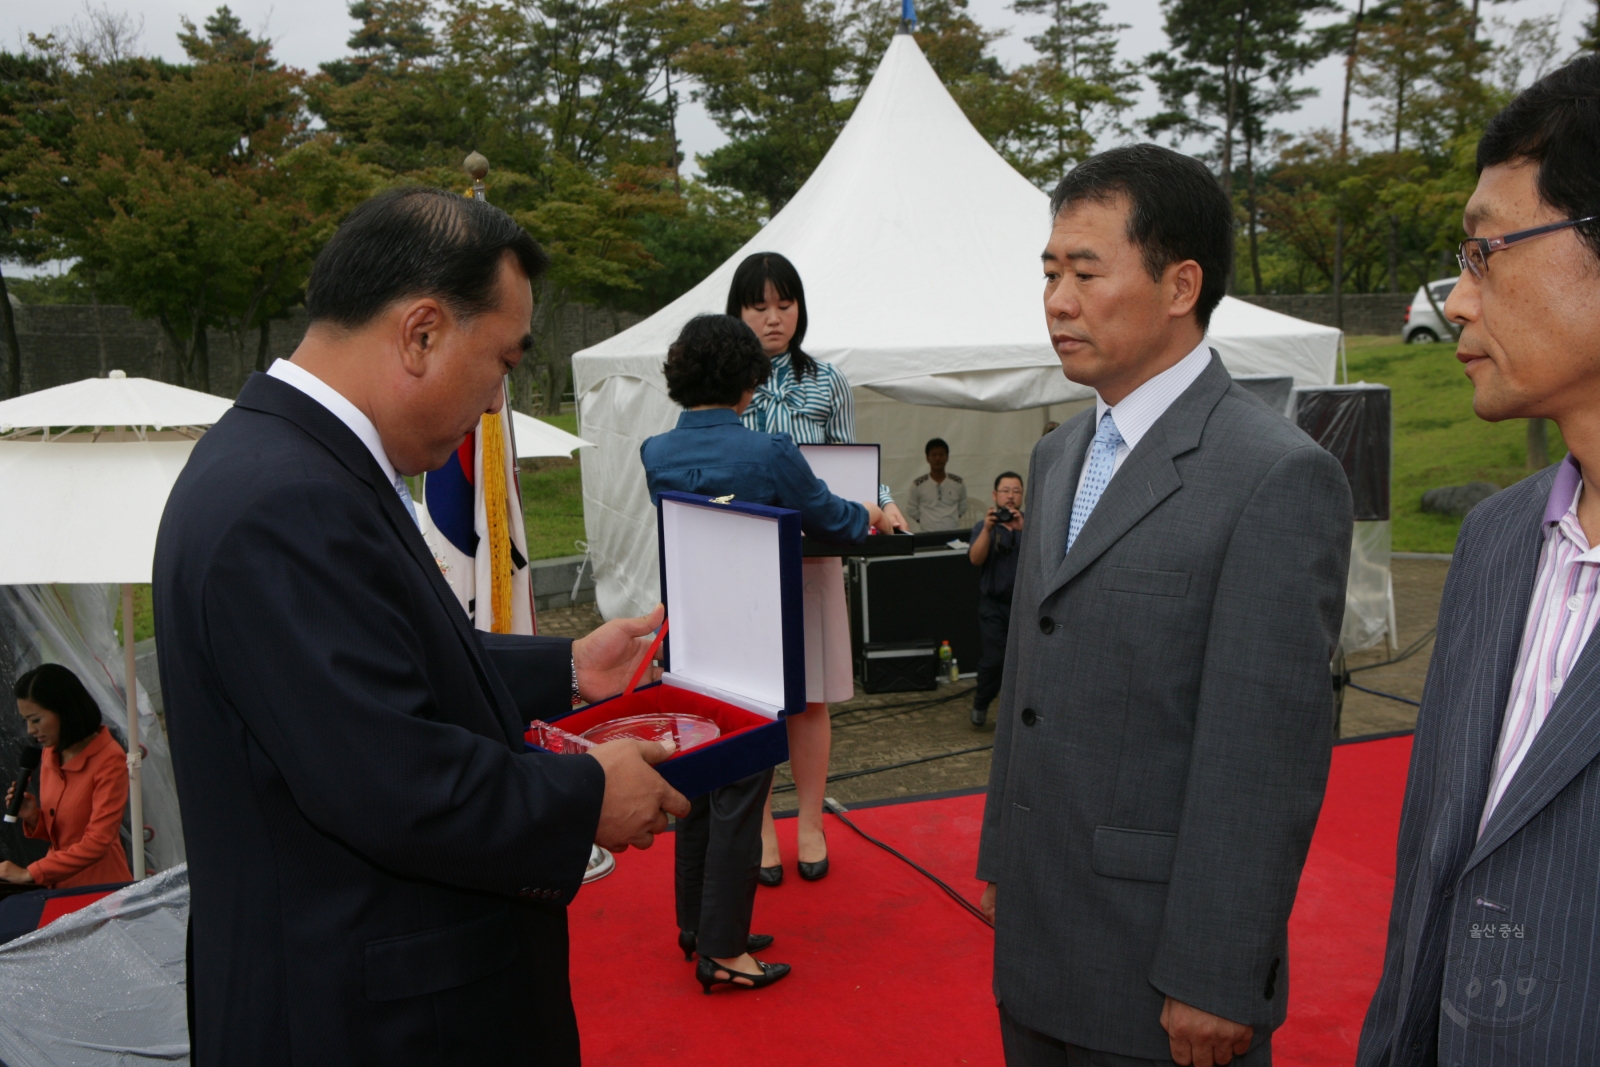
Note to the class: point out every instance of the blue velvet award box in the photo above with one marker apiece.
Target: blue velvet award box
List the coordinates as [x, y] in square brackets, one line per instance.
[735, 644]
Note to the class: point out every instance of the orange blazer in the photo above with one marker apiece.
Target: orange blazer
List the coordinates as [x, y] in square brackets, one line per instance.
[80, 814]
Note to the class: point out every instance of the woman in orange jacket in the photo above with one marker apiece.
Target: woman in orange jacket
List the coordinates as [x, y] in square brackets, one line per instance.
[83, 785]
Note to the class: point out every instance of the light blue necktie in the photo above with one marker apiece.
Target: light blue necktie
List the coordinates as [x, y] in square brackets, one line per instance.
[1100, 465]
[405, 498]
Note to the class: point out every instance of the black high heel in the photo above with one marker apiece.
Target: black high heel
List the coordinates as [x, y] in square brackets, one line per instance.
[814, 872]
[705, 972]
[754, 943]
[770, 876]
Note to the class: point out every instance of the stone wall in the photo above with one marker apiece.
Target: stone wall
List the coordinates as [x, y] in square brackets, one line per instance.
[68, 342]
[1364, 313]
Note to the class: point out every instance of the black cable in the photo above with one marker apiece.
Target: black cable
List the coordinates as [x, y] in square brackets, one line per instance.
[1387, 696]
[899, 709]
[785, 787]
[1411, 650]
[838, 812]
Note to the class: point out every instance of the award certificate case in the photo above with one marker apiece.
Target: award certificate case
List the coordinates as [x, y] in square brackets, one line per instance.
[735, 649]
[851, 471]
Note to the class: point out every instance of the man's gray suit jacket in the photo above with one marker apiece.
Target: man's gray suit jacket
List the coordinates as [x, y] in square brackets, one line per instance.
[1165, 723]
[1494, 942]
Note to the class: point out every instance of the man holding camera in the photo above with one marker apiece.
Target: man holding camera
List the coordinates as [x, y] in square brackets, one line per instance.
[995, 542]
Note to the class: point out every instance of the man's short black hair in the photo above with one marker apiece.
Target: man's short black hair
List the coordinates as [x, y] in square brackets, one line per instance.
[937, 442]
[417, 241]
[1003, 475]
[1176, 211]
[713, 361]
[56, 689]
[1555, 122]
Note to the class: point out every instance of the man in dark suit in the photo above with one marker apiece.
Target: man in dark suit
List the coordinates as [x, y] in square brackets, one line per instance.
[1165, 715]
[1494, 936]
[378, 871]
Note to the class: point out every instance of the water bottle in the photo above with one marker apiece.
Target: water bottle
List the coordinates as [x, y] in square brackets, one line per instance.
[955, 669]
[947, 658]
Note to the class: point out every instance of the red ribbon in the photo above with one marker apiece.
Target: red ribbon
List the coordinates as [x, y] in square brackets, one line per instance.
[649, 658]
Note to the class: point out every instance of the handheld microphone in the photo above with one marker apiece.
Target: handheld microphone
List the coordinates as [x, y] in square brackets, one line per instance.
[27, 763]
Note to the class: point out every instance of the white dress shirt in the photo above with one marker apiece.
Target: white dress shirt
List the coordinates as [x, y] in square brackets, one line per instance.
[1139, 410]
[346, 412]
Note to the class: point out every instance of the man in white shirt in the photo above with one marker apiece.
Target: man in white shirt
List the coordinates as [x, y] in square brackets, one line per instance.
[937, 500]
[1165, 718]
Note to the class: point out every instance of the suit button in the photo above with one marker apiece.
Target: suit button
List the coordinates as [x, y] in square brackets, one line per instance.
[1029, 716]
[1449, 891]
[1046, 624]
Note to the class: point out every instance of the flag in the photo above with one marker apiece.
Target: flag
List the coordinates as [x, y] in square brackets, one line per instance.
[472, 521]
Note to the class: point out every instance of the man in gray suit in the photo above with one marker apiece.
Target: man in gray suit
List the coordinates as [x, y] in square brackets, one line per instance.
[1494, 937]
[1166, 713]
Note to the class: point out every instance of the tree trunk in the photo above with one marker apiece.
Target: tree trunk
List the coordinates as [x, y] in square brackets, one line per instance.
[263, 340]
[1344, 155]
[13, 346]
[1538, 445]
[1250, 208]
[99, 327]
[1394, 254]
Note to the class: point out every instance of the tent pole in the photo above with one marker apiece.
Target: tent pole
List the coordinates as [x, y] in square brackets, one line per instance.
[135, 756]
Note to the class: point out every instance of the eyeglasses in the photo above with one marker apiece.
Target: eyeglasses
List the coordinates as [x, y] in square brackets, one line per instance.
[1473, 255]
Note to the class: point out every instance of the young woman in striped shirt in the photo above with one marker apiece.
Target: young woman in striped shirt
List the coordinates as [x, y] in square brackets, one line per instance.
[810, 401]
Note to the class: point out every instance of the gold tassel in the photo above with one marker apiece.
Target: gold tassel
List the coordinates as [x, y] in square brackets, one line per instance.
[494, 506]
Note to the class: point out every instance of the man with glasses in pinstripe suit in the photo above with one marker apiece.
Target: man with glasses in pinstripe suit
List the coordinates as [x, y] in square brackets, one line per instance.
[1494, 937]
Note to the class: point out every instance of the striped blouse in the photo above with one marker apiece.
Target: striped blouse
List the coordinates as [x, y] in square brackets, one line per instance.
[814, 410]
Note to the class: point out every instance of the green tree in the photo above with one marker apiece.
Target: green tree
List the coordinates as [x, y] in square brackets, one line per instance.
[1231, 68]
[1079, 87]
[181, 190]
[776, 77]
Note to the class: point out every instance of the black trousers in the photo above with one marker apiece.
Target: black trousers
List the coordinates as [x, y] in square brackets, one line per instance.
[994, 623]
[1029, 1048]
[718, 854]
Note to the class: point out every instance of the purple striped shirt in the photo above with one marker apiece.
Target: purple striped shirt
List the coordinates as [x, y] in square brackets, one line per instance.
[1561, 616]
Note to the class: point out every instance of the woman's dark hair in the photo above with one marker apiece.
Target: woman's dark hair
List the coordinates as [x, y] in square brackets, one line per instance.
[1176, 211]
[416, 241]
[750, 288]
[55, 688]
[1555, 122]
[713, 361]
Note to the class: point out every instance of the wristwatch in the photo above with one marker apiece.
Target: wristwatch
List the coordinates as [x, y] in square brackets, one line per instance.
[577, 697]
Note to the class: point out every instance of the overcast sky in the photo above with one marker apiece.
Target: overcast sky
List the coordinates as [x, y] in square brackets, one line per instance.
[308, 32]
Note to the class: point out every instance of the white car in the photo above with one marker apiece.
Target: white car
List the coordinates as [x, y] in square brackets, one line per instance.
[1423, 326]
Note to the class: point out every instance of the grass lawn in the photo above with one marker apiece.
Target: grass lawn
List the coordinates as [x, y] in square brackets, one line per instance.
[552, 499]
[1437, 439]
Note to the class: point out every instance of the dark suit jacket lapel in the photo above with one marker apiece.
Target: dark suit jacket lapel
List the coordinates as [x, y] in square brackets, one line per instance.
[1568, 741]
[262, 392]
[1146, 478]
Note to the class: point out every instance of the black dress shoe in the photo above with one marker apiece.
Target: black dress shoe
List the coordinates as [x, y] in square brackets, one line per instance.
[813, 872]
[770, 876]
[979, 715]
[754, 943]
[706, 972]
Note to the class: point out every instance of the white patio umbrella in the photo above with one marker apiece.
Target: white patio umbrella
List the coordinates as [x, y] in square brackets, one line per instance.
[95, 498]
[535, 437]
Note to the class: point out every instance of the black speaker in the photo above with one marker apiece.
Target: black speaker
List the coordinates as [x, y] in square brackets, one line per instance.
[922, 600]
[1356, 424]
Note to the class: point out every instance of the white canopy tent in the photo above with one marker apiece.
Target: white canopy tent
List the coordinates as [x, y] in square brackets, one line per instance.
[85, 508]
[919, 246]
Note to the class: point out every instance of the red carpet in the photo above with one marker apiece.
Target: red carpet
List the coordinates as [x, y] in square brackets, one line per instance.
[887, 970]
